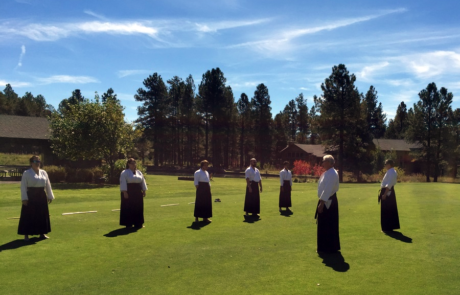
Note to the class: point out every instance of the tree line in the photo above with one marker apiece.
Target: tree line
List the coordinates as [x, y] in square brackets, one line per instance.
[180, 123]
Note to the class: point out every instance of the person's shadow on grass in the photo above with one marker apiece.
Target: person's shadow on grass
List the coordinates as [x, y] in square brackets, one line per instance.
[19, 243]
[335, 261]
[286, 213]
[198, 225]
[398, 236]
[121, 232]
[251, 218]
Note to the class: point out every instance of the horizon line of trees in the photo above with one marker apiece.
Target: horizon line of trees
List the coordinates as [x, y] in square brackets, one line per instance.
[180, 124]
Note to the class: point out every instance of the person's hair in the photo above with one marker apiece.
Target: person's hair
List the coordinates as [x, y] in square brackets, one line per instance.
[390, 162]
[34, 158]
[286, 163]
[329, 158]
[203, 162]
[130, 160]
[253, 159]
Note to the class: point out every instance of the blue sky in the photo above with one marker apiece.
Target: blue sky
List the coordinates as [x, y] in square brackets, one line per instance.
[52, 47]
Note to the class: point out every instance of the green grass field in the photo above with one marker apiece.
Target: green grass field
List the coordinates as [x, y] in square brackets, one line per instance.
[89, 254]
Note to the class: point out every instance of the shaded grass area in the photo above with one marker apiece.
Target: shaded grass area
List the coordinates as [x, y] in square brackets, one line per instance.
[92, 254]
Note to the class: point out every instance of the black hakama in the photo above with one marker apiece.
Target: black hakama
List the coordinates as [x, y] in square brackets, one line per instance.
[252, 200]
[35, 217]
[285, 196]
[132, 208]
[389, 218]
[203, 201]
[328, 227]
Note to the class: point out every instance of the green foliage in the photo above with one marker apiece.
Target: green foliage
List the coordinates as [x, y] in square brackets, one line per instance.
[261, 111]
[397, 127]
[374, 114]
[56, 174]
[28, 105]
[89, 129]
[119, 166]
[14, 159]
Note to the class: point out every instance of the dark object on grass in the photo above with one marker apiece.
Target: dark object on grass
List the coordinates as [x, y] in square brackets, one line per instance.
[18, 244]
[398, 236]
[217, 200]
[335, 261]
[286, 213]
[121, 232]
[198, 225]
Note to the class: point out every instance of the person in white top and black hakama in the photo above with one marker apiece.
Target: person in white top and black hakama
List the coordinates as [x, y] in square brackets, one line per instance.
[36, 194]
[327, 211]
[389, 218]
[132, 187]
[253, 182]
[286, 187]
[203, 200]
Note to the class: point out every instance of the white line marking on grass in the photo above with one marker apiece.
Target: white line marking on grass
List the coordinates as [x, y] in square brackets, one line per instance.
[116, 210]
[13, 218]
[169, 205]
[191, 203]
[72, 213]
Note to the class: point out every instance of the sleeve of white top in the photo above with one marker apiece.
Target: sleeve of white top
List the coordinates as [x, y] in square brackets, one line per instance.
[24, 186]
[143, 183]
[392, 179]
[123, 181]
[49, 191]
[246, 174]
[327, 188]
[281, 178]
[195, 178]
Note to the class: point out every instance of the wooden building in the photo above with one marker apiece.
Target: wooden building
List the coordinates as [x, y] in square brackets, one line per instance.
[311, 153]
[403, 151]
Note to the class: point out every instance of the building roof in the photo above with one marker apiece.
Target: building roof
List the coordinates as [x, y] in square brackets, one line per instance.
[395, 144]
[24, 127]
[317, 150]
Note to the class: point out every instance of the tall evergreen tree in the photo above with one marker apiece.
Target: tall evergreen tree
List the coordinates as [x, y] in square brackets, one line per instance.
[152, 113]
[244, 112]
[397, 127]
[302, 119]
[374, 114]
[263, 120]
[340, 107]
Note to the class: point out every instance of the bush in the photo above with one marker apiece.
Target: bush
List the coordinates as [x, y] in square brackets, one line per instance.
[79, 175]
[119, 166]
[97, 173]
[55, 173]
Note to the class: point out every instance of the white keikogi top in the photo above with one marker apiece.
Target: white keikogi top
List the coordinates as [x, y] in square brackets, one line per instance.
[32, 179]
[201, 176]
[390, 179]
[328, 184]
[285, 175]
[127, 176]
[253, 174]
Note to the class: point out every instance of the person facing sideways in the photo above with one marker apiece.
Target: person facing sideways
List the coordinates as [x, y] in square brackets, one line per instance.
[36, 194]
[253, 182]
[203, 200]
[389, 218]
[286, 187]
[132, 187]
[327, 211]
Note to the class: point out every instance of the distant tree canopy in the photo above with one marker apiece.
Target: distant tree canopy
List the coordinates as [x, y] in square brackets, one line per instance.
[181, 122]
[27, 105]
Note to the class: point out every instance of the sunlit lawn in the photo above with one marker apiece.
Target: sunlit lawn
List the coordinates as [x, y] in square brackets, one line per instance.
[88, 254]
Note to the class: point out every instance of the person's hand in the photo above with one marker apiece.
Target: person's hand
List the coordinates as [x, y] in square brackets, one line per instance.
[320, 207]
[260, 189]
[143, 194]
[49, 201]
[125, 195]
[25, 202]
[250, 189]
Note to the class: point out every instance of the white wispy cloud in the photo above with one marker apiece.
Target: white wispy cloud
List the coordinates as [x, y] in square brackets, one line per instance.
[283, 39]
[96, 15]
[126, 73]
[67, 79]
[431, 64]
[224, 25]
[14, 84]
[367, 71]
[125, 97]
[21, 56]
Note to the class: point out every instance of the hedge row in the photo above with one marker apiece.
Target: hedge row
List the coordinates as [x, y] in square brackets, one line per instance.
[62, 174]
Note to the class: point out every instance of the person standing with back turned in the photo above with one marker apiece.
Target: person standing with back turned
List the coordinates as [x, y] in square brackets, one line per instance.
[389, 218]
[327, 211]
[203, 200]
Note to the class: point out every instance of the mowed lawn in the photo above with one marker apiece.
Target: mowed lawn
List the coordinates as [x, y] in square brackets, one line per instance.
[88, 254]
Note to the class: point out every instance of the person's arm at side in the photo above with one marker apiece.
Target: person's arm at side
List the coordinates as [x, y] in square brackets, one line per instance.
[196, 180]
[124, 184]
[49, 191]
[24, 198]
[260, 184]
[248, 183]
[281, 180]
[291, 181]
[143, 185]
